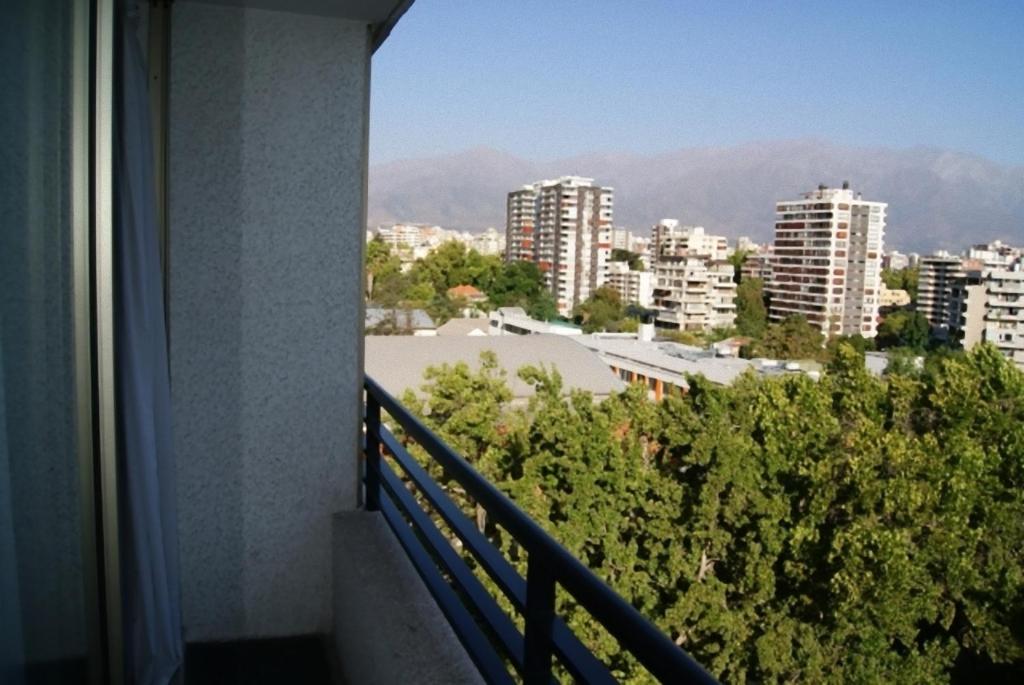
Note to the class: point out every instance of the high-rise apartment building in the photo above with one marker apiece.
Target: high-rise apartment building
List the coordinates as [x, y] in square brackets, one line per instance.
[827, 265]
[564, 226]
[939, 275]
[694, 286]
[520, 224]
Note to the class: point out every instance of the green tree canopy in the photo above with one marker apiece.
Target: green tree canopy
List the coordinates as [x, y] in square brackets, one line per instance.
[602, 311]
[751, 314]
[902, 279]
[383, 268]
[736, 259]
[793, 338]
[903, 328]
[636, 263]
[853, 529]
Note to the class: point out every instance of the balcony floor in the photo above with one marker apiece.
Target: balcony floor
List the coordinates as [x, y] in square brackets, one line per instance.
[280, 660]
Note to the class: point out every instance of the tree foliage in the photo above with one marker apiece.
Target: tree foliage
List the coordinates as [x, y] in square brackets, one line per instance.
[602, 311]
[382, 267]
[519, 284]
[636, 263]
[736, 259]
[902, 279]
[854, 529]
[793, 338]
[751, 313]
[426, 283]
[904, 328]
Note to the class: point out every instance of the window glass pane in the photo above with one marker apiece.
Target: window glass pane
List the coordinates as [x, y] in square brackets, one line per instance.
[42, 619]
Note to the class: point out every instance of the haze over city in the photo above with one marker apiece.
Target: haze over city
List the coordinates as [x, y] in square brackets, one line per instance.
[710, 114]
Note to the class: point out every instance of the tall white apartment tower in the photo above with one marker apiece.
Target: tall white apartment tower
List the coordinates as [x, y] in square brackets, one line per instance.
[828, 261]
[565, 227]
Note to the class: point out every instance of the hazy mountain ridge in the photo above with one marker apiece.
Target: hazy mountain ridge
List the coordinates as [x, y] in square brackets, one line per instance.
[937, 198]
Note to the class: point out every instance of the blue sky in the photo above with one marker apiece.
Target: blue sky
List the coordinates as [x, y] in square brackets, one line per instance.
[549, 79]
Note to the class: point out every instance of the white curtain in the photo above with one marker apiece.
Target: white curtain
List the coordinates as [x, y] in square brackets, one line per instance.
[151, 580]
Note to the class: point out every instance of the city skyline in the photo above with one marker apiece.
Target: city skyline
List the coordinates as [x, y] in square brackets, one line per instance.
[669, 75]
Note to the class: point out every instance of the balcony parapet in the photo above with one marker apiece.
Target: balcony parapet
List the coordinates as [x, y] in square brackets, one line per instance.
[489, 635]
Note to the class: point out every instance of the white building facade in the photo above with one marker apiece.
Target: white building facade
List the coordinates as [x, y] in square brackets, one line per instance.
[694, 286]
[635, 287]
[1004, 315]
[828, 261]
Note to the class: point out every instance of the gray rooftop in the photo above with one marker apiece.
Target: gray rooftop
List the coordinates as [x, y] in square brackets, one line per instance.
[398, 362]
[464, 326]
[415, 319]
[668, 357]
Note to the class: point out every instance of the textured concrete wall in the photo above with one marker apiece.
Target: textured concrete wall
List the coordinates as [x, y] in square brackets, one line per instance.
[267, 192]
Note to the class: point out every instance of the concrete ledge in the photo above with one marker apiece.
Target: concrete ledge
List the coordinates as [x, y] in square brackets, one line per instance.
[387, 627]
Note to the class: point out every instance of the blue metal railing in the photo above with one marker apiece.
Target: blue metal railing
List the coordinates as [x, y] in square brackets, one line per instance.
[489, 634]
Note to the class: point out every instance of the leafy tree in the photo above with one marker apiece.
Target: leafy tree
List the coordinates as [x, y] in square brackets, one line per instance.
[636, 263]
[858, 343]
[381, 266]
[451, 264]
[902, 279]
[736, 259]
[519, 284]
[854, 529]
[542, 306]
[751, 313]
[793, 338]
[904, 328]
[603, 311]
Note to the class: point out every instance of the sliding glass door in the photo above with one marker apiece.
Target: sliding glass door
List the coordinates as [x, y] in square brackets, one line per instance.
[50, 615]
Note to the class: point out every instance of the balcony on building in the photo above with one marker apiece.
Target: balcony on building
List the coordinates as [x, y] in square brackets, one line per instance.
[292, 525]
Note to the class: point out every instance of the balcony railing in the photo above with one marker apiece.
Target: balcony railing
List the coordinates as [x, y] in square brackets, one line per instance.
[490, 635]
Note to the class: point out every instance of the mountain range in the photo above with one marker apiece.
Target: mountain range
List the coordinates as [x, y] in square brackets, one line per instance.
[937, 198]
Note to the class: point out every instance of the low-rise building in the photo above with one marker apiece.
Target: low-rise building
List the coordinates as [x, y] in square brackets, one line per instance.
[1004, 315]
[758, 265]
[489, 243]
[634, 287]
[468, 293]
[399, 321]
[663, 367]
[894, 260]
[891, 298]
[515, 321]
[399, 364]
[471, 326]
[669, 238]
[694, 286]
[694, 293]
